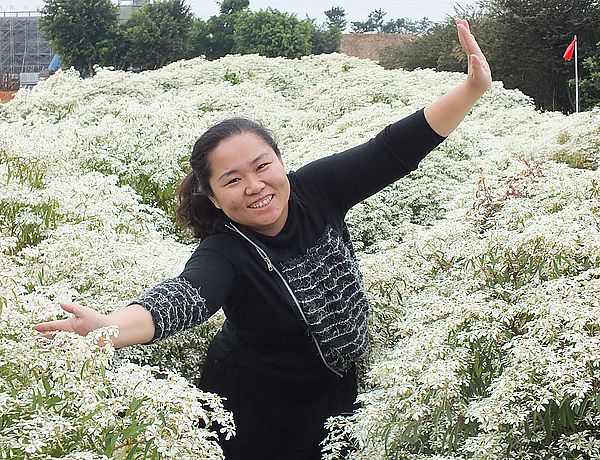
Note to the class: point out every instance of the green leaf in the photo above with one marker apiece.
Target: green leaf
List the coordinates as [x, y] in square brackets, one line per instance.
[149, 444]
[132, 452]
[46, 385]
[570, 416]
[84, 367]
[51, 401]
[548, 420]
[135, 405]
[86, 418]
[562, 416]
[110, 445]
[133, 430]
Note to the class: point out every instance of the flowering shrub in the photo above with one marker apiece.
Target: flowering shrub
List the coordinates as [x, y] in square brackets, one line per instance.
[70, 396]
[483, 266]
[490, 344]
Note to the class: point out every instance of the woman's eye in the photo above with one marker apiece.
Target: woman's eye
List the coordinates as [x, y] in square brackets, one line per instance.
[233, 181]
[263, 165]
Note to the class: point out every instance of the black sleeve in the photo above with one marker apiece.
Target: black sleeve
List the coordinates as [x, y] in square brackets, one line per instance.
[192, 297]
[355, 174]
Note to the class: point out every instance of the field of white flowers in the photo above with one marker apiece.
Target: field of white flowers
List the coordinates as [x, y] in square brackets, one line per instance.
[483, 266]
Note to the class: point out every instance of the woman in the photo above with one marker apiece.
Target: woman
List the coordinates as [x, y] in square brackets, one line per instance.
[275, 254]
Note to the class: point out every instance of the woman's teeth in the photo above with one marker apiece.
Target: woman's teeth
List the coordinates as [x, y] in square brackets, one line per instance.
[262, 203]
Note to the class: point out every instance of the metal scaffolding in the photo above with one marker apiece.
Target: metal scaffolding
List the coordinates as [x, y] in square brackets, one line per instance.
[23, 48]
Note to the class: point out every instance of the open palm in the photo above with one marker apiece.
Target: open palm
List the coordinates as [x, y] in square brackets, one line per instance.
[479, 73]
[83, 321]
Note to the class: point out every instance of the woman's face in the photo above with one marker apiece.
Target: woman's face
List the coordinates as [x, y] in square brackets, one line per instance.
[249, 183]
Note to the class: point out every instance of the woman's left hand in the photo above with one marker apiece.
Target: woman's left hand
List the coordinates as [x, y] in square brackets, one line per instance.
[479, 73]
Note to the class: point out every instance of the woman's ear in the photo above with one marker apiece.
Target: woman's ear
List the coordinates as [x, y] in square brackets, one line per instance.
[214, 201]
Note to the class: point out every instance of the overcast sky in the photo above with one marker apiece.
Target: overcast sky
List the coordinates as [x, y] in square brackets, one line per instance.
[356, 10]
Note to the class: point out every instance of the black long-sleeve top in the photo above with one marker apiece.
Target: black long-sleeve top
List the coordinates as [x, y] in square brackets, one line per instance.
[308, 315]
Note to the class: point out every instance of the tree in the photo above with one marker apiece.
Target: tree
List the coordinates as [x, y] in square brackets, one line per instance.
[327, 38]
[198, 39]
[374, 23]
[157, 34]
[233, 6]
[524, 41]
[437, 48]
[272, 33]
[215, 37]
[267, 32]
[336, 17]
[589, 88]
[435, 45]
[407, 26]
[324, 39]
[527, 40]
[83, 32]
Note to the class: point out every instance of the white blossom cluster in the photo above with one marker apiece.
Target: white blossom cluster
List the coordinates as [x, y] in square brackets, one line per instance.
[483, 266]
[487, 322]
[71, 398]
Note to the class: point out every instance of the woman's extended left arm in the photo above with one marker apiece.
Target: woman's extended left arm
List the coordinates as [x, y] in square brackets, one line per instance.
[446, 113]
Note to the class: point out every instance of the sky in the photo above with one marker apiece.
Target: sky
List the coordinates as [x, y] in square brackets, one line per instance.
[356, 10]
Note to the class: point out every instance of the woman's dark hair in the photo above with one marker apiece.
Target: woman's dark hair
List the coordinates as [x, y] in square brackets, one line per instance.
[195, 210]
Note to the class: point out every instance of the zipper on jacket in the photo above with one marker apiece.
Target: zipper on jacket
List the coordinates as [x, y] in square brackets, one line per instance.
[262, 253]
[271, 267]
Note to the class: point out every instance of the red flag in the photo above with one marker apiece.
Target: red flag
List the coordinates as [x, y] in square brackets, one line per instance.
[569, 51]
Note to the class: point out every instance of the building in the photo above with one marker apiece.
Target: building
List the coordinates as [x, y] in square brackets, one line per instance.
[23, 49]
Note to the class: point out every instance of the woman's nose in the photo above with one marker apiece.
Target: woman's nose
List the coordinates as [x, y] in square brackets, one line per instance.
[254, 185]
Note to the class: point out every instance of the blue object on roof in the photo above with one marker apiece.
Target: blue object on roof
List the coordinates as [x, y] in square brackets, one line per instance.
[55, 63]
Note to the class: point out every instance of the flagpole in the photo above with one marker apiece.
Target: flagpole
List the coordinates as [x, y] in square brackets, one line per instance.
[576, 79]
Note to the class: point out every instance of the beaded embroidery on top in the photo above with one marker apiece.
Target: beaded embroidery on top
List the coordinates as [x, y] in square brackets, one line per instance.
[328, 285]
[175, 305]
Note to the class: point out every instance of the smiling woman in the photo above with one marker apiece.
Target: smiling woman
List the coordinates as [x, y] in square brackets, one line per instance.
[276, 256]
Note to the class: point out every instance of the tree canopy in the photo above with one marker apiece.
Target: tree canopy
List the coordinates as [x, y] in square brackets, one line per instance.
[273, 33]
[336, 17]
[590, 86]
[157, 33]
[82, 32]
[266, 32]
[376, 24]
[213, 38]
[233, 6]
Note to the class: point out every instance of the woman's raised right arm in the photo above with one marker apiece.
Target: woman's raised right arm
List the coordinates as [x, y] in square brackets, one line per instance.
[135, 323]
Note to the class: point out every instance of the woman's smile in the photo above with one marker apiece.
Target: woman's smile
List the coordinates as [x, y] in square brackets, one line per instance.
[261, 203]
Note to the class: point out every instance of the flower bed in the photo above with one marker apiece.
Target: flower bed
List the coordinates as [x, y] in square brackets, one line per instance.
[482, 266]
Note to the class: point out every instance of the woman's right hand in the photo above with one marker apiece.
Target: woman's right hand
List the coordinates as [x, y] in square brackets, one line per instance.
[84, 321]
